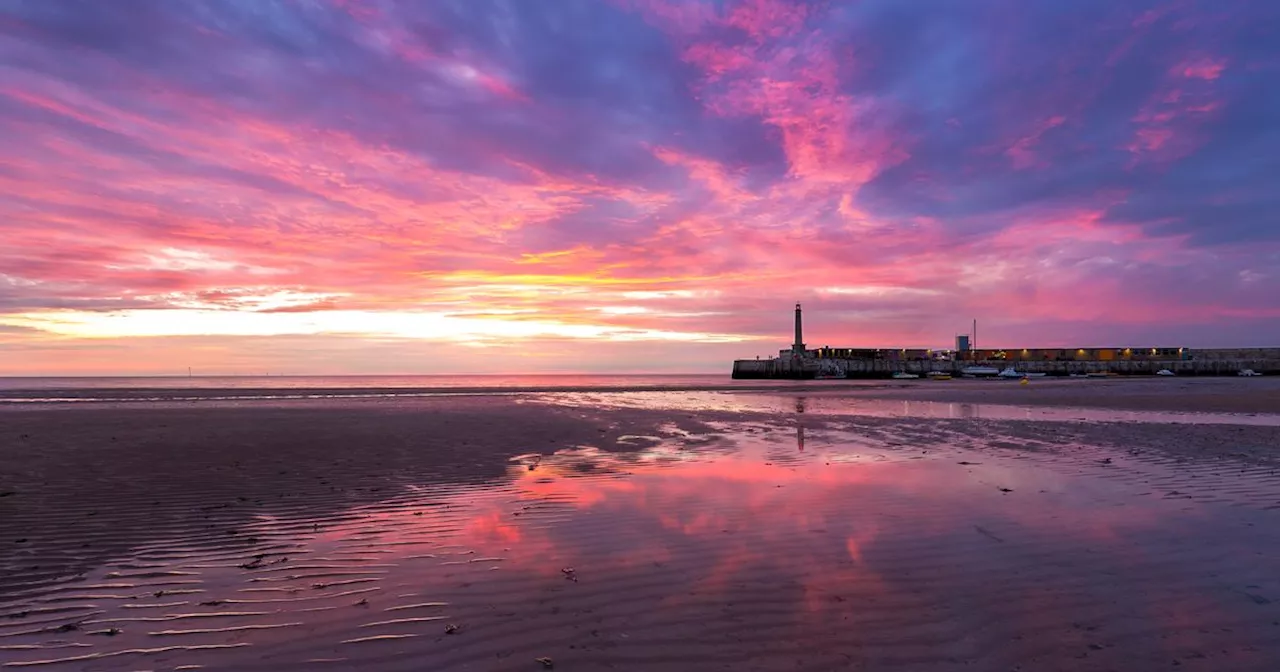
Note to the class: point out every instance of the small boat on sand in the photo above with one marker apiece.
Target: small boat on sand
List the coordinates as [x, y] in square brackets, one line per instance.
[938, 375]
[903, 375]
[1248, 373]
[980, 371]
[1009, 372]
[1165, 372]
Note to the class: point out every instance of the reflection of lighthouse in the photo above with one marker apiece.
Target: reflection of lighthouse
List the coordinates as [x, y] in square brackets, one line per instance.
[799, 424]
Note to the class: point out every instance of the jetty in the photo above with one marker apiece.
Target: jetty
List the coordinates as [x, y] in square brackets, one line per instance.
[801, 362]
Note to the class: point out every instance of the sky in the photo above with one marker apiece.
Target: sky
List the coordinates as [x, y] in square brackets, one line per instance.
[378, 186]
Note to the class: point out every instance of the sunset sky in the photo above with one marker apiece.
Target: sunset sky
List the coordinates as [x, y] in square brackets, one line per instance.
[370, 186]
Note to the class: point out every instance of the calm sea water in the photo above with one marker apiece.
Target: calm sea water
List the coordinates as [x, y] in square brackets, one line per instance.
[367, 382]
[57, 389]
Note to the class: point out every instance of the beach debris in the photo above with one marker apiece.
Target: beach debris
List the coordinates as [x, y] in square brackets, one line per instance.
[1105, 461]
[1257, 599]
[570, 574]
[260, 560]
[67, 627]
[7, 493]
[967, 464]
[364, 602]
[1006, 490]
[109, 632]
[987, 533]
[158, 593]
[450, 629]
[211, 603]
[547, 663]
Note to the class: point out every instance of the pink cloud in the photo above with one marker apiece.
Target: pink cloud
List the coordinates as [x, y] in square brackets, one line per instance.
[1202, 68]
[1168, 126]
[1150, 139]
[1022, 151]
[764, 19]
[709, 173]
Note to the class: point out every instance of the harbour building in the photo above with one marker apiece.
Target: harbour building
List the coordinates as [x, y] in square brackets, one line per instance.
[800, 361]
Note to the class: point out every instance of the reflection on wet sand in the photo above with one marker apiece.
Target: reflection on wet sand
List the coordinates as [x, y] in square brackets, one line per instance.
[799, 424]
[664, 548]
[837, 404]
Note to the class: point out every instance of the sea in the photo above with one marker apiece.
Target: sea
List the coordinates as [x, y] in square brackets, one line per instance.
[140, 388]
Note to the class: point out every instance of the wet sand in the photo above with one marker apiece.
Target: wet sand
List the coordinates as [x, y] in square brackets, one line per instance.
[1196, 395]
[483, 533]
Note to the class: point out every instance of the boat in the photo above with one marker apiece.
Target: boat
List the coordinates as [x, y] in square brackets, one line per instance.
[1098, 374]
[1248, 373]
[1009, 372]
[939, 375]
[903, 375]
[1165, 372]
[977, 371]
[830, 371]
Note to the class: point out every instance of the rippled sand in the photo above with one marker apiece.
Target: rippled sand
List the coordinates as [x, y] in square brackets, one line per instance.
[601, 532]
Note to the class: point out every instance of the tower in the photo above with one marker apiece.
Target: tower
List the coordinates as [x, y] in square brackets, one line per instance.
[798, 346]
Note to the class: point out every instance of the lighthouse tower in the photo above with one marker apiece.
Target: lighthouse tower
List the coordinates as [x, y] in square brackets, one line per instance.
[797, 348]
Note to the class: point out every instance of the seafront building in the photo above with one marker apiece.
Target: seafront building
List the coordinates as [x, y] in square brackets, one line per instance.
[799, 361]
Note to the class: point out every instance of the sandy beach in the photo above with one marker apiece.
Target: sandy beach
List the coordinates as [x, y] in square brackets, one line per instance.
[671, 530]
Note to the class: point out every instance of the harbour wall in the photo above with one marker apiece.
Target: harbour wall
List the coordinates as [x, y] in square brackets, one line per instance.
[1213, 365]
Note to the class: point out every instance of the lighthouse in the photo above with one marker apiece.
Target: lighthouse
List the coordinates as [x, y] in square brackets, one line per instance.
[797, 348]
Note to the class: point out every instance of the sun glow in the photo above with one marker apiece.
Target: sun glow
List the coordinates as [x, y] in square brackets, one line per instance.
[414, 325]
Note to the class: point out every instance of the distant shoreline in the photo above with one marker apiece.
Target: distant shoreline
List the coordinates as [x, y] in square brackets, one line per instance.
[1188, 395]
[267, 393]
